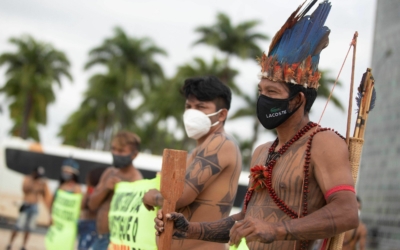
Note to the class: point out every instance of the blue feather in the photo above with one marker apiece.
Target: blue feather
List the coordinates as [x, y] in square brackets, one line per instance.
[305, 38]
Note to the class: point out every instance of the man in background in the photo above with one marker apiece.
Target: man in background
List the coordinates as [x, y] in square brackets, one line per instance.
[34, 186]
[124, 148]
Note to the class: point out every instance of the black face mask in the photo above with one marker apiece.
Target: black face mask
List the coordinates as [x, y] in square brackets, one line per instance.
[273, 112]
[122, 161]
[66, 176]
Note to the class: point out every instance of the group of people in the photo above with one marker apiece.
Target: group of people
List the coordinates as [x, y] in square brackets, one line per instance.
[35, 187]
[300, 185]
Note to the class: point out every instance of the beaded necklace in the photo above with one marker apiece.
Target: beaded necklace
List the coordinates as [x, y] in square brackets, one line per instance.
[261, 176]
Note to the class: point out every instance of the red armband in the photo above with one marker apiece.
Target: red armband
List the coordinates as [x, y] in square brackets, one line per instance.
[339, 188]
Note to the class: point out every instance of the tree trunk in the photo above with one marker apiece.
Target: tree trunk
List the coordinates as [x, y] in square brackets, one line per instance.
[225, 77]
[25, 119]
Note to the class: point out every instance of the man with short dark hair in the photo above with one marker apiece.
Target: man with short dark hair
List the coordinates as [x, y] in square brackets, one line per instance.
[125, 147]
[213, 167]
[33, 187]
[300, 188]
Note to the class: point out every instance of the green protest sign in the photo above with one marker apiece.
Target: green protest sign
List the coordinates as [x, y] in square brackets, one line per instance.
[242, 245]
[65, 214]
[131, 224]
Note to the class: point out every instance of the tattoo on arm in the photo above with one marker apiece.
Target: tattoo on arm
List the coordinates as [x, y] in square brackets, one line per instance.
[183, 226]
[203, 166]
[217, 231]
[206, 164]
[326, 227]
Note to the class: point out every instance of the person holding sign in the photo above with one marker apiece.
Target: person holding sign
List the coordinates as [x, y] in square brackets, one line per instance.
[130, 222]
[124, 148]
[34, 186]
[213, 167]
[301, 186]
[65, 209]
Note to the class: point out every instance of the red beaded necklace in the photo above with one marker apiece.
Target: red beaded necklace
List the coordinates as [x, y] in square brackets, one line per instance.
[261, 176]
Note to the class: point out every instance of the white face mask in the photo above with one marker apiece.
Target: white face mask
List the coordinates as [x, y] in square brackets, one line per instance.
[197, 124]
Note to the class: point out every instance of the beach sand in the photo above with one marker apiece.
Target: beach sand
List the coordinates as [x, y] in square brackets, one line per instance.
[35, 241]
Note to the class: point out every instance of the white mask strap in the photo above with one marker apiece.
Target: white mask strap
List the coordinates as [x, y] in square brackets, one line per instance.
[212, 114]
[217, 122]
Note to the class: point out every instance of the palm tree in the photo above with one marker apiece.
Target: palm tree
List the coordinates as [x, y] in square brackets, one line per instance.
[32, 71]
[132, 72]
[238, 40]
[103, 110]
[217, 68]
[249, 111]
[134, 58]
[78, 129]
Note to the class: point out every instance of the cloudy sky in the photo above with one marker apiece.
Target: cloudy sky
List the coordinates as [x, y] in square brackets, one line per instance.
[76, 26]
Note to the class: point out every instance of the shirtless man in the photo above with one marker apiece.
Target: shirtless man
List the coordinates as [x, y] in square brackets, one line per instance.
[34, 186]
[213, 167]
[301, 188]
[124, 149]
[356, 236]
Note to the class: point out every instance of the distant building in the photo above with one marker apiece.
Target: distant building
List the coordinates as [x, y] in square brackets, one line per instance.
[379, 179]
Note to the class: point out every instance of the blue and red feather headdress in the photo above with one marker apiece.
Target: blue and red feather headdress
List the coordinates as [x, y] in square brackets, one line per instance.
[293, 55]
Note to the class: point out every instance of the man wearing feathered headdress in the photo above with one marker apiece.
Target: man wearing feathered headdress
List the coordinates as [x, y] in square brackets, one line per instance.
[301, 188]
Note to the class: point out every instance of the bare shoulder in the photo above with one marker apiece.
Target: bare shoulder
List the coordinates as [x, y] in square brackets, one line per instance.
[229, 144]
[27, 179]
[77, 189]
[220, 141]
[43, 183]
[137, 175]
[328, 141]
[259, 153]
[330, 161]
[262, 147]
[108, 172]
[221, 145]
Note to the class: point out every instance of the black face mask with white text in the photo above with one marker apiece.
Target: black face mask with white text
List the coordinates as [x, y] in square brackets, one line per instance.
[273, 112]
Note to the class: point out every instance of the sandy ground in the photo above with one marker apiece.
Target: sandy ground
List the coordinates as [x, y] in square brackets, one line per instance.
[35, 241]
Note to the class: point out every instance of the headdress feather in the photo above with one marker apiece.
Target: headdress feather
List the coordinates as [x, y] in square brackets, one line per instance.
[361, 93]
[296, 47]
